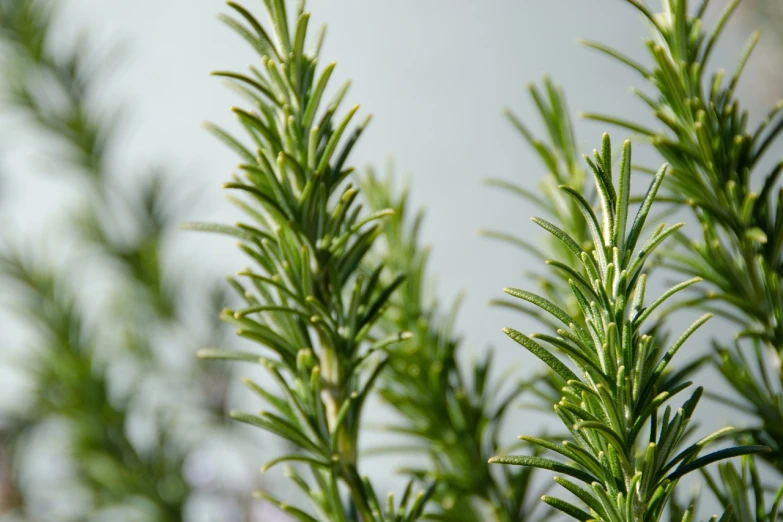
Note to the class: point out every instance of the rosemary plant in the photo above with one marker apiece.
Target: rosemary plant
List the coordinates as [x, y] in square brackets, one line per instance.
[620, 387]
[74, 369]
[745, 492]
[72, 385]
[558, 154]
[451, 413]
[718, 170]
[334, 299]
[307, 298]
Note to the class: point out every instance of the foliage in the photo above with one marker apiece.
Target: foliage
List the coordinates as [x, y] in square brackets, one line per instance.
[718, 170]
[72, 385]
[451, 413]
[558, 154]
[620, 386]
[313, 298]
[75, 361]
[744, 490]
[334, 306]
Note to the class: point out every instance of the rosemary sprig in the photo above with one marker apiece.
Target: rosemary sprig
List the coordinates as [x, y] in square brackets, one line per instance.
[72, 384]
[452, 412]
[128, 230]
[617, 389]
[307, 298]
[717, 170]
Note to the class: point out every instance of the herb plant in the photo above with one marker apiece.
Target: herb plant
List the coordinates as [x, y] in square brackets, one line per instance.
[722, 171]
[714, 153]
[335, 305]
[624, 385]
[451, 413]
[312, 298]
[621, 386]
[74, 363]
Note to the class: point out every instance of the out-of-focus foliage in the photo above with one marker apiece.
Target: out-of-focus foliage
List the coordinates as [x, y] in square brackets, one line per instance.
[93, 375]
[559, 155]
[72, 387]
[743, 488]
[452, 412]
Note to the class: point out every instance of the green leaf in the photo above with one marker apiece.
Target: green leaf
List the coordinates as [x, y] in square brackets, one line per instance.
[663, 297]
[584, 496]
[569, 242]
[297, 513]
[715, 457]
[538, 462]
[230, 141]
[537, 350]
[295, 458]
[618, 56]
[519, 191]
[227, 355]
[568, 509]
[542, 303]
[644, 210]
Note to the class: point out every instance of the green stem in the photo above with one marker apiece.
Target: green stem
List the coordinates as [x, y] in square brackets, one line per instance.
[354, 481]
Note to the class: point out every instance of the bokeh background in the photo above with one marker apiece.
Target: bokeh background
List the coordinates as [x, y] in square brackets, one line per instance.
[436, 75]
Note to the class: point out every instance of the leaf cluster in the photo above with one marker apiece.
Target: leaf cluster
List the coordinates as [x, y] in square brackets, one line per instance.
[452, 412]
[619, 389]
[72, 385]
[719, 171]
[73, 369]
[558, 154]
[312, 298]
[743, 490]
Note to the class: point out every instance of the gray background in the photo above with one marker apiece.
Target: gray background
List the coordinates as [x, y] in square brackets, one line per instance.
[435, 73]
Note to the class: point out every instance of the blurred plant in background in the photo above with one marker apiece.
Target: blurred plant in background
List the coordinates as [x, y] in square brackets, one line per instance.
[452, 412]
[559, 155]
[97, 376]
